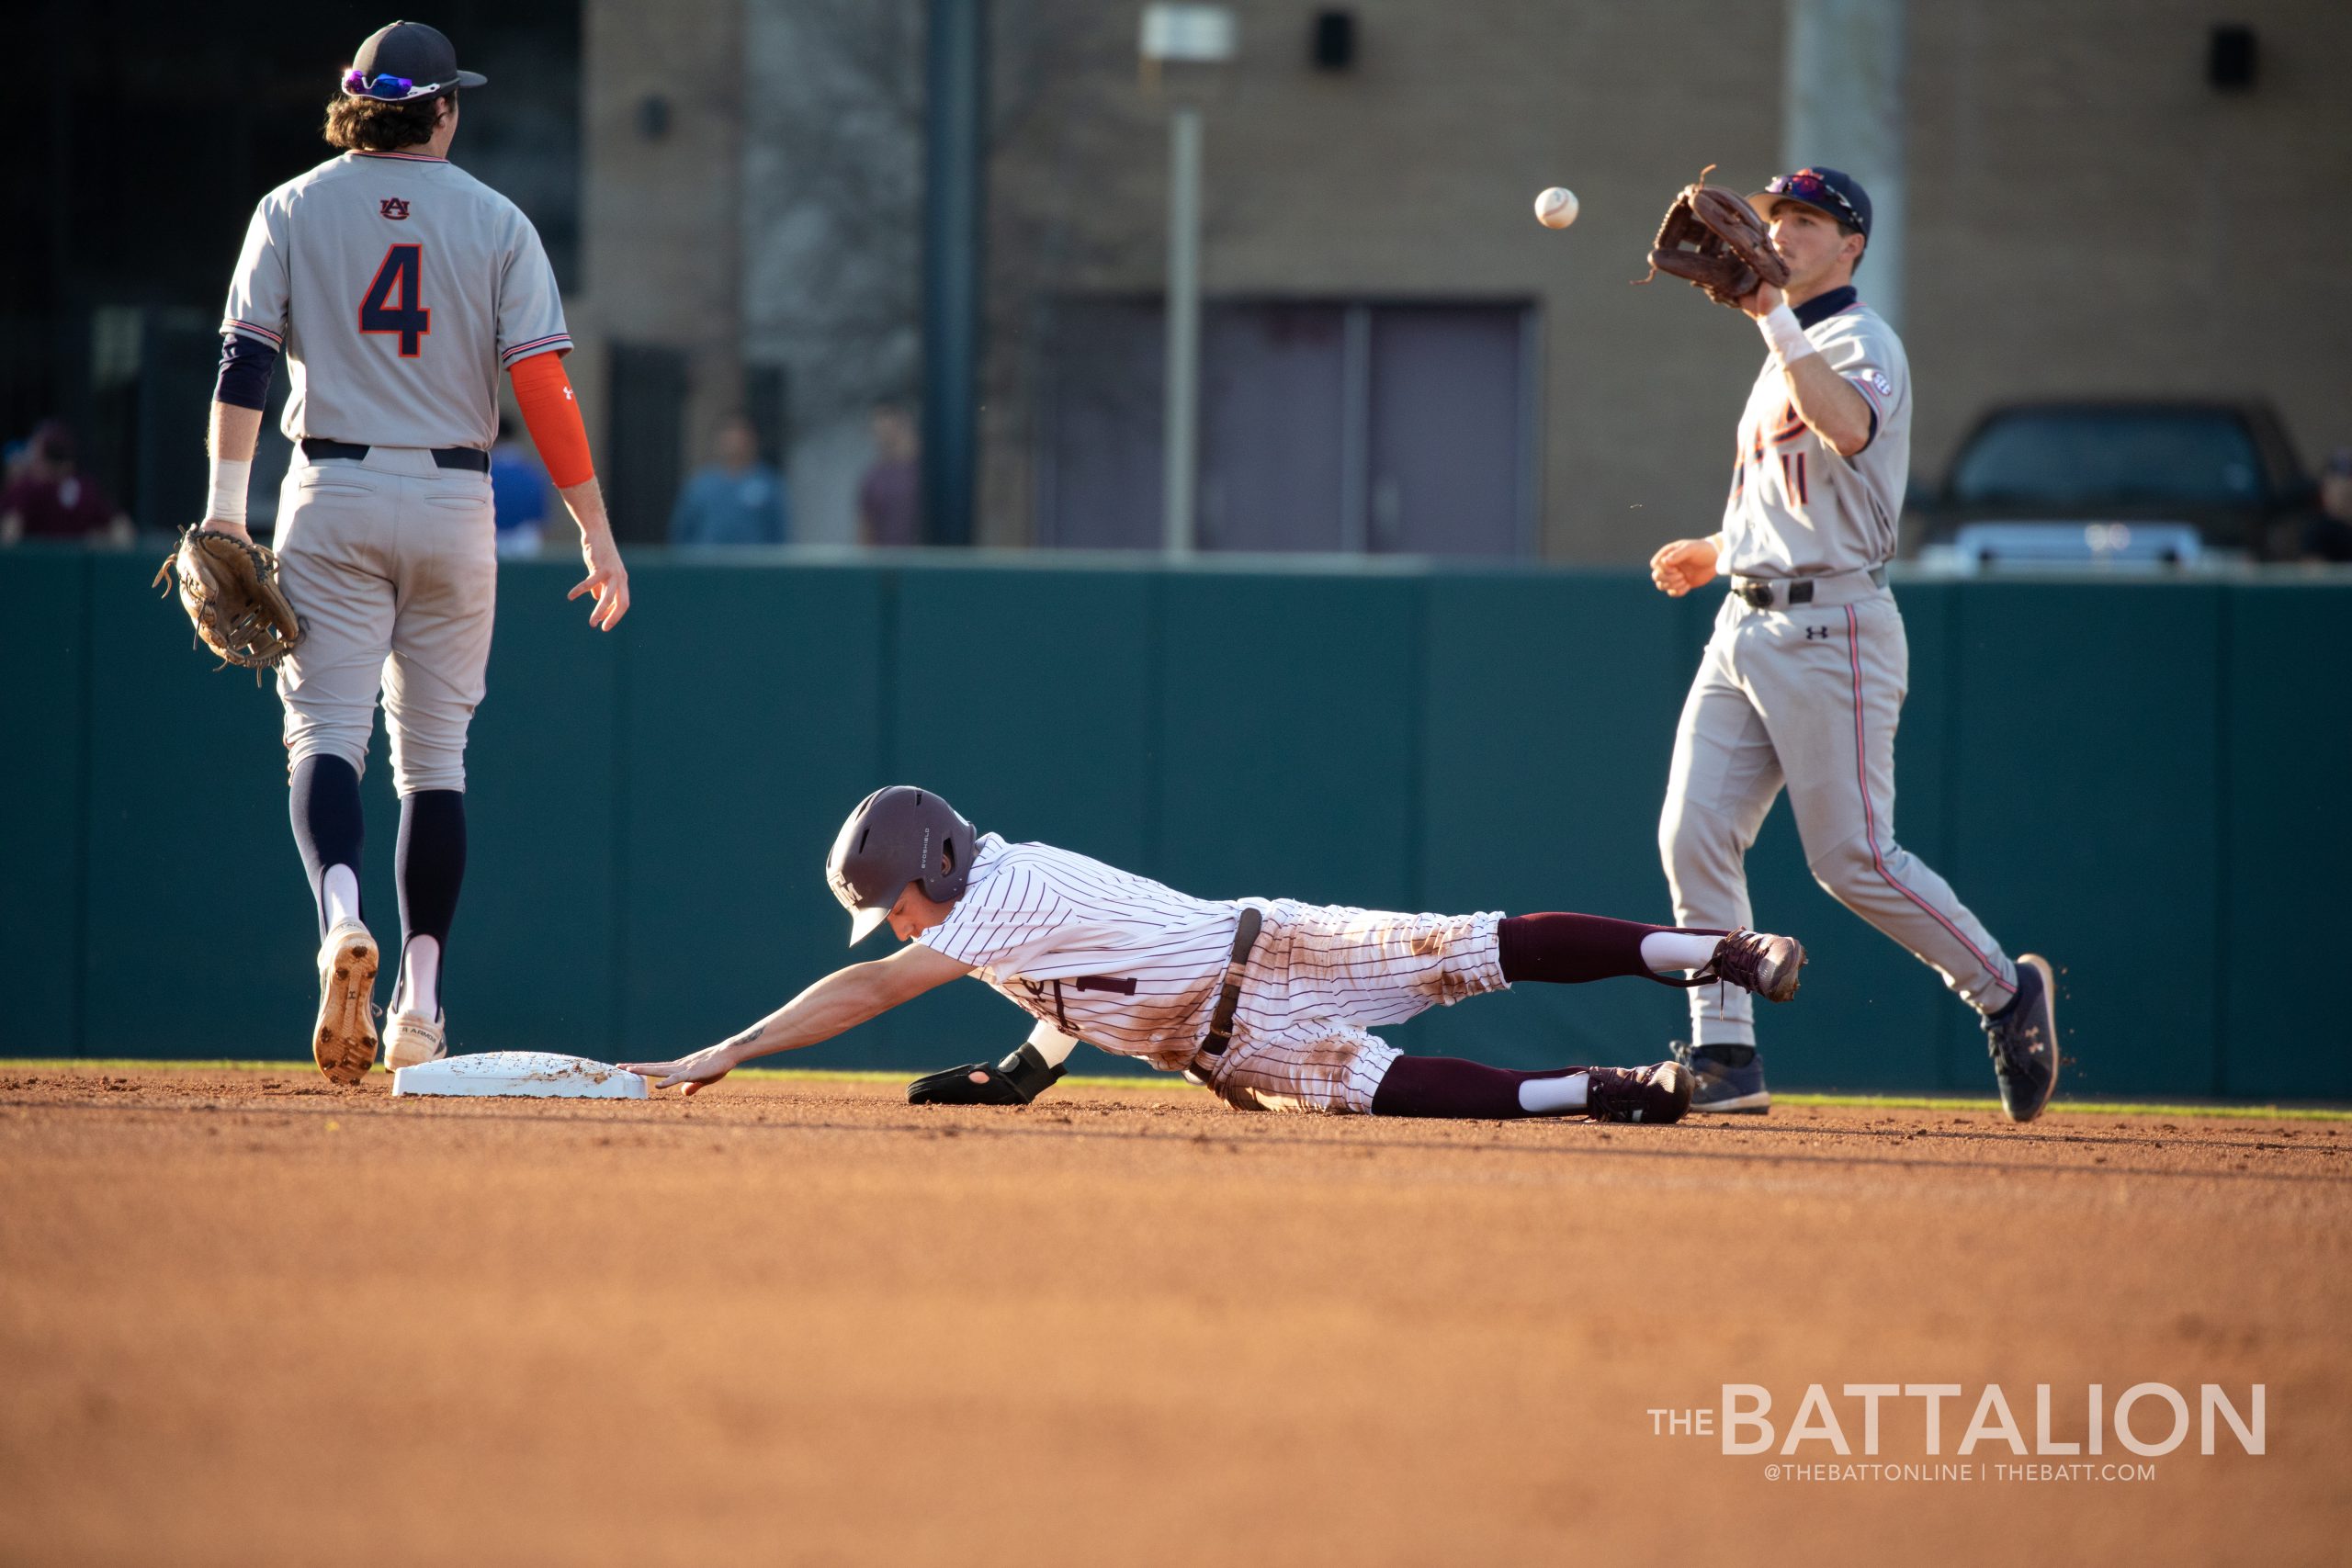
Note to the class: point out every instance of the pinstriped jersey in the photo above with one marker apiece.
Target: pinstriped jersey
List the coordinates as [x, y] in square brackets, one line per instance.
[1106, 956]
[399, 286]
[1797, 509]
[1128, 964]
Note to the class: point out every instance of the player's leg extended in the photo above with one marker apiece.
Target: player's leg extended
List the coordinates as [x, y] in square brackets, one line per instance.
[1376, 967]
[333, 565]
[1348, 1070]
[1325, 965]
[448, 567]
[1835, 701]
[1722, 781]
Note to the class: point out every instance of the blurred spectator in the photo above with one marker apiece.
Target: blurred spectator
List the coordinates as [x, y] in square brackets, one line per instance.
[2329, 537]
[518, 492]
[46, 498]
[889, 498]
[738, 500]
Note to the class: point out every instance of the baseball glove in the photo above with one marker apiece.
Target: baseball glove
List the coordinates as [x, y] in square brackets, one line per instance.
[229, 588]
[1018, 1079]
[1715, 241]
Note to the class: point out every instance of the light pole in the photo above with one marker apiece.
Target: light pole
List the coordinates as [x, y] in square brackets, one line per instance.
[1182, 35]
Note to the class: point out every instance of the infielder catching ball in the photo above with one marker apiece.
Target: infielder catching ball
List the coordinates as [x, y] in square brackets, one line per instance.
[1268, 1002]
[397, 287]
[1804, 678]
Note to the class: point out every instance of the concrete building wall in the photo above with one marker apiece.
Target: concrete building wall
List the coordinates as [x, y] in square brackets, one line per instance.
[661, 204]
[2089, 216]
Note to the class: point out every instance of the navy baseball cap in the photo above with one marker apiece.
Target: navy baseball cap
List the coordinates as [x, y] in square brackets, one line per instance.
[407, 60]
[1829, 191]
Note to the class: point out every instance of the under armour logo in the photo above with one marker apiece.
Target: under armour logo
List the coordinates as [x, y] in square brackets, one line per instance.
[395, 208]
[1816, 632]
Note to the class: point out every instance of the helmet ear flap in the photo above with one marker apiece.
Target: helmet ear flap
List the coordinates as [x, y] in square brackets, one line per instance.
[947, 884]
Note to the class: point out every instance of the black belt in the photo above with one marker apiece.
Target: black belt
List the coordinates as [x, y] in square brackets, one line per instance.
[472, 458]
[1245, 937]
[1761, 595]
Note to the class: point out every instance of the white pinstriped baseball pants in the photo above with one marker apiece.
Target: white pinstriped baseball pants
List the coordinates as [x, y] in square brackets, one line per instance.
[1808, 697]
[1319, 975]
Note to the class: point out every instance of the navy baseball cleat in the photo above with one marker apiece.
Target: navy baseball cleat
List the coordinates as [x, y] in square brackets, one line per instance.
[1660, 1092]
[2023, 1040]
[1725, 1078]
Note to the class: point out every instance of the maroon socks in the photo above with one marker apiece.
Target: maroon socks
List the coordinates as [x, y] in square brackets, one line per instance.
[1448, 1085]
[1567, 949]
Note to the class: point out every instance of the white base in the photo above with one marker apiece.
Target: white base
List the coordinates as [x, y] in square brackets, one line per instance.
[539, 1074]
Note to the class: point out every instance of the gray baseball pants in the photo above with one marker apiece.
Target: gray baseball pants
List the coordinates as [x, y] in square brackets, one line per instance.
[1808, 698]
[391, 563]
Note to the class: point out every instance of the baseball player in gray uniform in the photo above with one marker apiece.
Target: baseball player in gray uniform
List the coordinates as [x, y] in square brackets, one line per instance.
[1267, 1002]
[1803, 679]
[397, 287]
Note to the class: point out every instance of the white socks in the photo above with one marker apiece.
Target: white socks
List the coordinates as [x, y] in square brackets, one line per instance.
[420, 987]
[1665, 951]
[339, 890]
[1551, 1097]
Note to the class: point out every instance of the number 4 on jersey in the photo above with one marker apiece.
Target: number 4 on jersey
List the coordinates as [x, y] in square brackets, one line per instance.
[403, 272]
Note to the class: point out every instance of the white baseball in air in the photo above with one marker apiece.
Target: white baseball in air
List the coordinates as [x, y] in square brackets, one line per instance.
[1556, 209]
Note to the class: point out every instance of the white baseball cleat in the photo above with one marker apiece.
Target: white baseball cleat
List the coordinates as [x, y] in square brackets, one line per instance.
[344, 1042]
[411, 1039]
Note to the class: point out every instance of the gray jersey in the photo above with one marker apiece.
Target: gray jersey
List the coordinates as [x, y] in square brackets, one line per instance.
[1797, 509]
[399, 286]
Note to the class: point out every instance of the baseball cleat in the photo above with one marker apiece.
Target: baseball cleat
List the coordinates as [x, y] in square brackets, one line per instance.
[1767, 966]
[1725, 1078]
[411, 1039]
[343, 1040]
[2023, 1040]
[1659, 1092]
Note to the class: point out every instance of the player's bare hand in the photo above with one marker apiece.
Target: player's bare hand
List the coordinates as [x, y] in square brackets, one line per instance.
[1763, 302]
[234, 530]
[607, 578]
[1682, 566]
[694, 1073]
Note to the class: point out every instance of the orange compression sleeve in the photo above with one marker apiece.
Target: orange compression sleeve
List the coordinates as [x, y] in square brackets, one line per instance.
[552, 415]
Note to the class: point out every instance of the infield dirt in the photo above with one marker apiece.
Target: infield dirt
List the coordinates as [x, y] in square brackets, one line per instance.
[250, 1318]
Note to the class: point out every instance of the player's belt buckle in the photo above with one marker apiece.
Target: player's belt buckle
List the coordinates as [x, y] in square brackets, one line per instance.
[1762, 597]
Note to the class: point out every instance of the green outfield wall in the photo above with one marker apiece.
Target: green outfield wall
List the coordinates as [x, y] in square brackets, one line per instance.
[2145, 781]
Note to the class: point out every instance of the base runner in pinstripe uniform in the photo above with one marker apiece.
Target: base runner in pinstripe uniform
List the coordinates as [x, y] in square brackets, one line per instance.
[397, 287]
[1804, 676]
[1270, 1003]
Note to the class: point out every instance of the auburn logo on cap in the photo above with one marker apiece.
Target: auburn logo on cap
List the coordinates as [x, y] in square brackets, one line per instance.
[395, 206]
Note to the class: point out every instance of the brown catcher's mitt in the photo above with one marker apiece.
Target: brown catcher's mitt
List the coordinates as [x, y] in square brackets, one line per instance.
[230, 589]
[1715, 241]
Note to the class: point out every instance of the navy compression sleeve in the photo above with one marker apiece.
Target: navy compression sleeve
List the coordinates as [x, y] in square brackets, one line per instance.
[246, 364]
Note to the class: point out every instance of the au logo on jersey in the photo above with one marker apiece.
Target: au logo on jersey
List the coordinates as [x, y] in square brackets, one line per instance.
[395, 206]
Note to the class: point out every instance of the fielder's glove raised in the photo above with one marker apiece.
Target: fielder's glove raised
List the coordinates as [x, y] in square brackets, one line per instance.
[1018, 1079]
[1715, 241]
[229, 588]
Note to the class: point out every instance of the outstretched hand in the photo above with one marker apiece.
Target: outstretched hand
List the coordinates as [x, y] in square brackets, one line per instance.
[691, 1073]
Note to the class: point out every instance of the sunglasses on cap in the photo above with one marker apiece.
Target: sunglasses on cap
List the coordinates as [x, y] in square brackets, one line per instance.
[1814, 191]
[389, 89]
